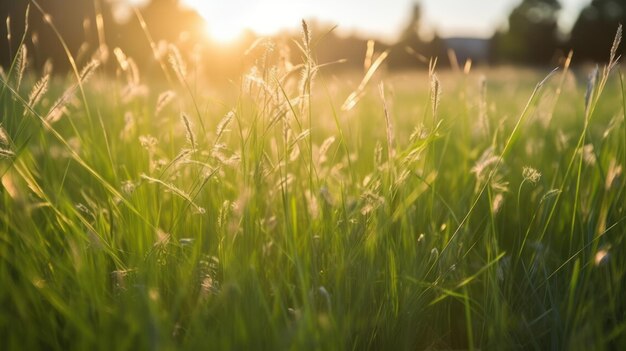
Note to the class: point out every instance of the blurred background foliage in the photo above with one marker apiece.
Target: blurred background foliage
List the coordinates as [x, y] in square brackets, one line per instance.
[531, 37]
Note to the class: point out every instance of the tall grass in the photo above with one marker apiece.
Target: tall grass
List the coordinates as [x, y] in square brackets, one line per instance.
[449, 210]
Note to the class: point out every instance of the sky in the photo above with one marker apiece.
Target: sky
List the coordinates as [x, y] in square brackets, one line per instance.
[381, 19]
[481, 17]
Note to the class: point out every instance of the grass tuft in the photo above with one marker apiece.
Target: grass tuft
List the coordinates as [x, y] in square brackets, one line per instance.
[311, 216]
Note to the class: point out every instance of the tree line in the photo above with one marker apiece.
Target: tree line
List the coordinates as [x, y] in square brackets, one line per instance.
[533, 36]
[80, 28]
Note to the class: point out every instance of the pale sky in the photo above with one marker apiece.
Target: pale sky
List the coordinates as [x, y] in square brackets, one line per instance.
[481, 17]
[375, 18]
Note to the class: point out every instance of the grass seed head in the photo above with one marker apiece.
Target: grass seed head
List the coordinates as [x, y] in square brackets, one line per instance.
[21, 63]
[122, 60]
[191, 139]
[613, 58]
[306, 35]
[8, 24]
[435, 91]
[38, 92]
[177, 63]
[612, 175]
[224, 123]
[4, 137]
[589, 155]
[312, 204]
[48, 67]
[88, 70]
[163, 100]
[148, 142]
[530, 174]
[323, 150]
[497, 202]
[591, 85]
[130, 127]
[602, 257]
[6, 153]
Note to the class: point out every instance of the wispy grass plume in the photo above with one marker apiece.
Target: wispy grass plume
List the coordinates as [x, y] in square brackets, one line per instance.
[163, 100]
[89, 69]
[435, 88]
[388, 124]
[177, 63]
[223, 125]
[356, 95]
[294, 224]
[306, 34]
[174, 190]
[613, 57]
[21, 63]
[191, 139]
[4, 137]
[6, 153]
[38, 92]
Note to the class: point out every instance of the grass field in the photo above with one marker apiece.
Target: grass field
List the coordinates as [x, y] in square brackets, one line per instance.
[443, 210]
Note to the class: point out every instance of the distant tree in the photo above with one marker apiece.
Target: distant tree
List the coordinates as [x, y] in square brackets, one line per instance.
[167, 22]
[11, 17]
[532, 34]
[75, 21]
[410, 34]
[410, 38]
[592, 34]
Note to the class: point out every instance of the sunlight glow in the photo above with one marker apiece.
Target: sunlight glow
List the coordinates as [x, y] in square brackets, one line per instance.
[224, 33]
[381, 19]
[227, 20]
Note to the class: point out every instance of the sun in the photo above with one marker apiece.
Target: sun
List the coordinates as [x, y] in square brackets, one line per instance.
[223, 33]
[228, 20]
[225, 22]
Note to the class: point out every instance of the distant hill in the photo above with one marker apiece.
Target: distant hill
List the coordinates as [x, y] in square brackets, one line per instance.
[465, 48]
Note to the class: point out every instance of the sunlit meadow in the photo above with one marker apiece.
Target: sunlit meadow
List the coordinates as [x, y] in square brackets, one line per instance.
[300, 208]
